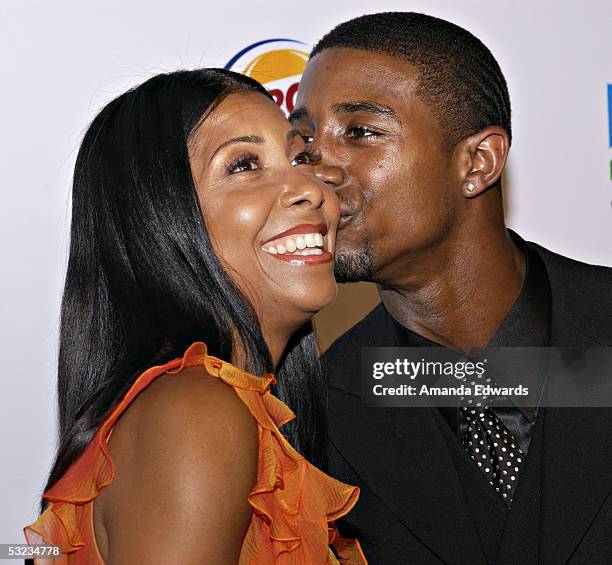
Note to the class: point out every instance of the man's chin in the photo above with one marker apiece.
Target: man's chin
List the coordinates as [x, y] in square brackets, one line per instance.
[354, 265]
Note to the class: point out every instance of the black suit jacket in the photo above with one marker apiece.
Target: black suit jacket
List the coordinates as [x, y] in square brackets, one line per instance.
[423, 501]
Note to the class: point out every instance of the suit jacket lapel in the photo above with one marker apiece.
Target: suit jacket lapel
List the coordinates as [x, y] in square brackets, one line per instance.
[521, 537]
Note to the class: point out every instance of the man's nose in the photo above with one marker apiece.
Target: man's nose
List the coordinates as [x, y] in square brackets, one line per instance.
[329, 174]
[333, 158]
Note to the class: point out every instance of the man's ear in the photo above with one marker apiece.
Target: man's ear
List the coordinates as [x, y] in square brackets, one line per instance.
[482, 159]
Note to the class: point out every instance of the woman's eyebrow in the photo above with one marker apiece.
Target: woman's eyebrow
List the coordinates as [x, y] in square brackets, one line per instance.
[256, 139]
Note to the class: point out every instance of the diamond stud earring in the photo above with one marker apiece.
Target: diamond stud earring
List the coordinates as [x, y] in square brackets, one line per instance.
[470, 187]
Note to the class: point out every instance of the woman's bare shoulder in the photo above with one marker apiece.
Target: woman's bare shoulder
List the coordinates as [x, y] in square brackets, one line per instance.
[185, 456]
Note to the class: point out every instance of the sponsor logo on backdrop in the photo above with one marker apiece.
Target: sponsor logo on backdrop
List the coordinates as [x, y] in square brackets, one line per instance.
[278, 64]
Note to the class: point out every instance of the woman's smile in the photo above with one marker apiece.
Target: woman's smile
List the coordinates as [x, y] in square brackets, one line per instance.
[305, 244]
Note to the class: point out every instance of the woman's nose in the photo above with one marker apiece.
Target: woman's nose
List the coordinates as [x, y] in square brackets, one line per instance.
[302, 190]
[329, 174]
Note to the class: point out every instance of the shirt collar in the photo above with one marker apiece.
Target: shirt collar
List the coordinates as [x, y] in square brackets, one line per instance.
[527, 323]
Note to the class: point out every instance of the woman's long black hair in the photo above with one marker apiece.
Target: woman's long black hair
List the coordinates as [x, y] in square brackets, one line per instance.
[143, 282]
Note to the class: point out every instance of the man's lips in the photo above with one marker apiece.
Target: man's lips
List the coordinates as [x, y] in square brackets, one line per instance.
[349, 210]
[344, 220]
[352, 203]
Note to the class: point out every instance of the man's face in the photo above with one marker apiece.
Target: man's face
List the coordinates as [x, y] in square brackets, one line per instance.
[361, 111]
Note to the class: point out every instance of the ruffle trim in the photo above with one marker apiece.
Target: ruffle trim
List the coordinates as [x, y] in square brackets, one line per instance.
[294, 507]
[57, 525]
[294, 503]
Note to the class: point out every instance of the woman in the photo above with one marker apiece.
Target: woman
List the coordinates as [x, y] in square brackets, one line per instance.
[198, 216]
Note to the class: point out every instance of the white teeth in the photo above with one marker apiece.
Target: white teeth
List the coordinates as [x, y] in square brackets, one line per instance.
[297, 243]
[314, 251]
[307, 251]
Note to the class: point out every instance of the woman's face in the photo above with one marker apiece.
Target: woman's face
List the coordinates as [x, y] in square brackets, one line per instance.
[271, 221]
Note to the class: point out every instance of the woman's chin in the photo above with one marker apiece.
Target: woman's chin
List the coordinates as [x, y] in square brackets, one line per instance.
[314, 300]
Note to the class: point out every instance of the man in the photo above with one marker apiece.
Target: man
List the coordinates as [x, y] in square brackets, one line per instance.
[415, 112]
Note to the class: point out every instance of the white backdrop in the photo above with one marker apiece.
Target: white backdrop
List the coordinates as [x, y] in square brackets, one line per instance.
[63, 60]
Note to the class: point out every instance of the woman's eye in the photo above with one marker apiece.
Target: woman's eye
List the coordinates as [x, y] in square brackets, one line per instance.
[360, 132]
[305, 158]
[242, 164]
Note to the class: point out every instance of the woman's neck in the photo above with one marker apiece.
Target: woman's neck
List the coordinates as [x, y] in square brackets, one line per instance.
[276, 339]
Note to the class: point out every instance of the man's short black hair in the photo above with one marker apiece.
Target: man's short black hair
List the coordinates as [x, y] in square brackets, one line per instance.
[459, 79]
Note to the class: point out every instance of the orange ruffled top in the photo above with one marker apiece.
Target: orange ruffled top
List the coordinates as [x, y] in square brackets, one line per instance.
[294, 503]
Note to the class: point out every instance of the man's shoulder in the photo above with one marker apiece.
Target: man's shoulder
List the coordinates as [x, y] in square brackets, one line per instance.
[581, 293]
[572, 271]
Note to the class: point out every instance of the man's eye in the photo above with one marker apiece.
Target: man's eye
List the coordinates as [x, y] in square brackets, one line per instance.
[308, 139]
[242, 164]
[360, 132]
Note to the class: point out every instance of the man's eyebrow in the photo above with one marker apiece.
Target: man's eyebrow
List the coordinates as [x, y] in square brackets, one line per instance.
[292, 133]
[258, 140]
[365, 106]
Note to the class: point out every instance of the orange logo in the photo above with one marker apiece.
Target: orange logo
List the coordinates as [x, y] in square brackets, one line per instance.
[278, 64]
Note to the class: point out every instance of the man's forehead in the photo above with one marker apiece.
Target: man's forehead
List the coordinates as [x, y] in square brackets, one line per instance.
[337, 76]
[368, 68]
